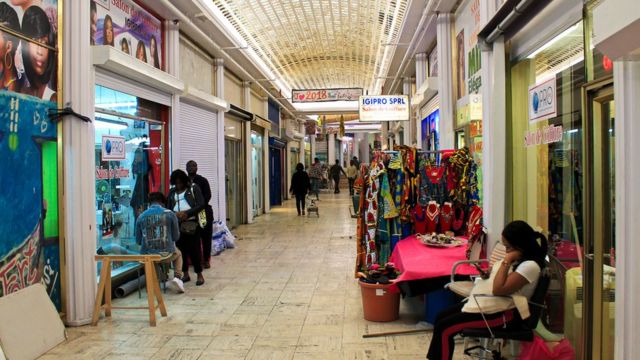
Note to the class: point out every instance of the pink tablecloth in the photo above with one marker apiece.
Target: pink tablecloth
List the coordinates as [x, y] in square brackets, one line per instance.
[418, 261]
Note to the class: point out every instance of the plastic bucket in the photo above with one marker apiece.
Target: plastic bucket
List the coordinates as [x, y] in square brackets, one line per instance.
[378, 303]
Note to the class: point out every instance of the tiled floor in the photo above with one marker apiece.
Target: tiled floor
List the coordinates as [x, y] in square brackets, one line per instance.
[286, 292]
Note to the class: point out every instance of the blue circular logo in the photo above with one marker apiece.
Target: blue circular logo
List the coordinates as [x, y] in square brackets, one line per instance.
[107, 146]
[536, 102]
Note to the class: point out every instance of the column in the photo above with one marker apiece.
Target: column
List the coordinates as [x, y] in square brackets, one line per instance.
[408, 125]
[445, 80]
[364, 148]
[246, 103]
[302, 148]
[265, 171]
[172, 48]
[421, 77]
[494, 140]
[222, 181]
[312, 141]
[331, 149]
[385, 136]
[78, 218]
[626, 75]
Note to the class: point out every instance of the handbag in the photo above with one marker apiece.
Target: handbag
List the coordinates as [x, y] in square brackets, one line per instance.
[202, 215]
[188, 227]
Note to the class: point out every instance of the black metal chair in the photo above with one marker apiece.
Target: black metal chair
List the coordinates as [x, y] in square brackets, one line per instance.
[522, 332]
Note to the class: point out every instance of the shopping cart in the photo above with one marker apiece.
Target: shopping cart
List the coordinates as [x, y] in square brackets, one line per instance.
[312, 206]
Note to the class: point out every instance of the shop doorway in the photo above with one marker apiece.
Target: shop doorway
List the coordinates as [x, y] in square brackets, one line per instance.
[275, 174]
[233, 166]
[599, 245]
[257, 182]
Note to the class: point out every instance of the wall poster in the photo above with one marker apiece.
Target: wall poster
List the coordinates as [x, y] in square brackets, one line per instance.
[29, 228]
[129, 28]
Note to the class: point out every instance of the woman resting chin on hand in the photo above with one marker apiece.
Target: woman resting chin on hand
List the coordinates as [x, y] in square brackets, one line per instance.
[516, 274]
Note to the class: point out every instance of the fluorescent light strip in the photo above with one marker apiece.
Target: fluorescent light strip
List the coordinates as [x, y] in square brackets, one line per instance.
[554, 40]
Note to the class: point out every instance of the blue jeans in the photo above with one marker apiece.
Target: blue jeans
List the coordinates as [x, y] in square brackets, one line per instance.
[315, 187]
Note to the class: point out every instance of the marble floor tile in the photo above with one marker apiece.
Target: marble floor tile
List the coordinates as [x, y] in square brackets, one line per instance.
[287, 291]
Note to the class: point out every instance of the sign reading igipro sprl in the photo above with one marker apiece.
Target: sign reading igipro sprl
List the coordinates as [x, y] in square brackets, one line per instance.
[384, 108]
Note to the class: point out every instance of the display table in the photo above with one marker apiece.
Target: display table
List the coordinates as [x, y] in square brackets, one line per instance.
[429, 265]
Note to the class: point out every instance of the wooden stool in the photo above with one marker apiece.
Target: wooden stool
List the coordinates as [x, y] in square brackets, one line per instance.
[104, 287]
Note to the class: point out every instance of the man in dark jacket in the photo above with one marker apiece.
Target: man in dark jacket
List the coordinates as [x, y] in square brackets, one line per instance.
[334, 174]
[207, 232]
[300, 185]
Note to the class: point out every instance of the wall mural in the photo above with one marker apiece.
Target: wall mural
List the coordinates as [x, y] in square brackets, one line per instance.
[29, 229]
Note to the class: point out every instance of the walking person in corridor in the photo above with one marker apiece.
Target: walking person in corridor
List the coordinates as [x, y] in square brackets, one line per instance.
[300, 185]
[207, 231]
[315, 174]
[352, 174]
[334, 174]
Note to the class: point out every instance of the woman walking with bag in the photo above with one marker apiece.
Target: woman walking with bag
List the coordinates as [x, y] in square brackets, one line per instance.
[186, 200]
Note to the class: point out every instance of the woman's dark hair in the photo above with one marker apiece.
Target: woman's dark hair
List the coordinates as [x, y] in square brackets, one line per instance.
[299, 167]
[104, 31]
[144, 50]
[123, 43]
[156, 59]
[157, 197]
[532, 244]
[9, 19]
[179, 175]
[35, 25]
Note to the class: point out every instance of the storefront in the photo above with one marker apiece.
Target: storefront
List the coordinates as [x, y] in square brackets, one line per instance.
[560, 169]
[257, 170]
[134, 115]
[235, 122]
[277, 165]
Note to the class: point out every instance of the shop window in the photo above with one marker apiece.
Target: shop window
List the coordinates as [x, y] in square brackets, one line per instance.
[546, 172]
[129, 165]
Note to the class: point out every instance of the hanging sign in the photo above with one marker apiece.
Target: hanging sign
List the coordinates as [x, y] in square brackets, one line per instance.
[384, 108]
[542, 101]
[113, 147]
[127, 27]
[323, 95]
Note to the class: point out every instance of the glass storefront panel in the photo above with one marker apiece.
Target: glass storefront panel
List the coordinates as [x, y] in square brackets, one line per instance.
[257, 170]
[122, 185]
[545, 159]
[233, 180]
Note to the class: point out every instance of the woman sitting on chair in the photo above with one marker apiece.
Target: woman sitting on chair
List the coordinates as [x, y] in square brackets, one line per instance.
[516, 274]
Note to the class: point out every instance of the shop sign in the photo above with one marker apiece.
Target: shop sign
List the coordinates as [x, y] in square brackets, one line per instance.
[113, 148]
[547, 135]
[462, 115]
[467, 51]
[384, 108]
[475, 129]
[127, 27]
[475, 107]
[324, 95]
[542, 101]
[112, 173]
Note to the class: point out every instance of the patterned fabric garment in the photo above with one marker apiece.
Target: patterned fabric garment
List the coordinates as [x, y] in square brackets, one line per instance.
[371, 213]
[386, 199]
[383, 240]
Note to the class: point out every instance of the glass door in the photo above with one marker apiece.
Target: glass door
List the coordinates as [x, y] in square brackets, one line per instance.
[599, 270]
[257, 183]
[233, 176]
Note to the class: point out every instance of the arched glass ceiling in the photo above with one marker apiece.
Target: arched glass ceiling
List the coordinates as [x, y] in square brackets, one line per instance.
[321, 43]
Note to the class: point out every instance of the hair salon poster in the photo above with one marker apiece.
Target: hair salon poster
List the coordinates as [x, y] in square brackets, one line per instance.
[29, 228]
[129, 28]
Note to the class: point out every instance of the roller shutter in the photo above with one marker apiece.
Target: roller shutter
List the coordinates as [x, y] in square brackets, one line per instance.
[199, 142]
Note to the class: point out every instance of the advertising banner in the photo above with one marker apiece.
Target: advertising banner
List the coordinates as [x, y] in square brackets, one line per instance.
[127, 27]
[384, 108]
[324, 95]
[542, 101]
[468, 62]
[29, 241]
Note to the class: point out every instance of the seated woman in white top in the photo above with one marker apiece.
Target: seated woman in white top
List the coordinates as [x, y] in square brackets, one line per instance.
[516, 274]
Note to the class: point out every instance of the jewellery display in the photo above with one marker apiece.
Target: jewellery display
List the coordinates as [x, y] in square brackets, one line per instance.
[446, 217]
[419, 219]
[433, 210]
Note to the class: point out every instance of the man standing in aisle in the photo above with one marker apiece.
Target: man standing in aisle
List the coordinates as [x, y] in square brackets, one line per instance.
[207, 232]
[315, 174]
[157, 231]
[334, 173]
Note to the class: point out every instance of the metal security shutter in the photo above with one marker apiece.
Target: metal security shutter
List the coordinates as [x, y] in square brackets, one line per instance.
[199, 142]
[116, 82]
[430, 107]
